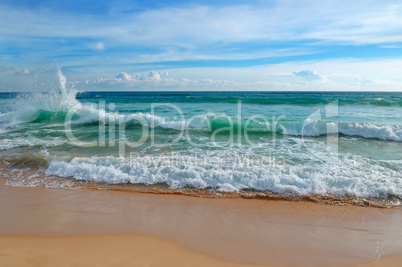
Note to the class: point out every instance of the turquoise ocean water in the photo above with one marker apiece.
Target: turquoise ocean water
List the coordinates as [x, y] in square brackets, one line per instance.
[291, 144]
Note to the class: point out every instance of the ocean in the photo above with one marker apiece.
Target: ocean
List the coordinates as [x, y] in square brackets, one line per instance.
[330, 147]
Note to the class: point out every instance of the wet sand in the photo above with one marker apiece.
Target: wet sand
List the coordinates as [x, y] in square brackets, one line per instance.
[110, 227]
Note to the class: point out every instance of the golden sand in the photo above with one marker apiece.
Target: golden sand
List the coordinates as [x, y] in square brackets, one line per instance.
[44, 226]
[112, 250]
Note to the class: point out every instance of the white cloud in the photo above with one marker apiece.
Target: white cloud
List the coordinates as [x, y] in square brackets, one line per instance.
[133, 78]
[23, 72]
[278, 29]
[309, 75]
[157, 80]
[100, 46]
[342, 21]
[137, 80]
[342, 75]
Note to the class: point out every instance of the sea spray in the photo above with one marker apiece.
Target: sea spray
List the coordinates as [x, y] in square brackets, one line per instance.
[43, 104]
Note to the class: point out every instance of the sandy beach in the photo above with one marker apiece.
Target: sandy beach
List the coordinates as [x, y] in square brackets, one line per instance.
[43, 226]
[201, 133]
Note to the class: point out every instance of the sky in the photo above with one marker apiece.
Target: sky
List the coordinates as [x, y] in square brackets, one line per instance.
[267, 45]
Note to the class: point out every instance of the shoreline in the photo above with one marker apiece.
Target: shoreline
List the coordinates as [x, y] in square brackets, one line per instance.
[40, 180]
[246, 231]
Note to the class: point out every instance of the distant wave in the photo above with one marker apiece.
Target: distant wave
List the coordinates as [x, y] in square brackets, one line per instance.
[212, 122]
[263, 100]
[365, 130]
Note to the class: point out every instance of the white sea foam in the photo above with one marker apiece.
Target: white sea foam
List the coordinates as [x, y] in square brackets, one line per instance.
[301, 175]
[7, 143]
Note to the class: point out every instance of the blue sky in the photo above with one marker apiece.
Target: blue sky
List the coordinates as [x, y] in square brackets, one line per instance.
[202, 45]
